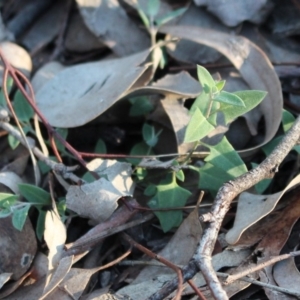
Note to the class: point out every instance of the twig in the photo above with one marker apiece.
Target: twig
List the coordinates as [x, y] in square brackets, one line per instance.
[202, 257]
[266, 285]
[176, 269]
[260, 266]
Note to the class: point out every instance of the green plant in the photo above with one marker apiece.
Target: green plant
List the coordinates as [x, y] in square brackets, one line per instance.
[35, 196]
[152, 21]
[222, 164]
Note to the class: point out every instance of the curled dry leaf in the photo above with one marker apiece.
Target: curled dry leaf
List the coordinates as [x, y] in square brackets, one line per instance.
[79, 94]
[17, 248]
[98, 200]
[251, 208]
[110, 23]
[11, 180]
[251, 62]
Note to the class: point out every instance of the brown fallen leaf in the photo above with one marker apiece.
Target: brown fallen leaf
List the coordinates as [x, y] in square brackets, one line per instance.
[110, 23]
[79, 94]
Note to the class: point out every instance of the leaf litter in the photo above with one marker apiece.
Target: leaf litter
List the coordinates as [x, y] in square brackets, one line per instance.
[88, 63]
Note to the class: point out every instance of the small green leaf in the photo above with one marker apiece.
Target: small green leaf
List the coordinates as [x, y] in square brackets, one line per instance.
[153, 7]
[150, 190]
[13, 142]
[287, 120]
[206, 80]
[40, 224]
[100, 147]
[140, 106]
[222, 164]
[139, 149]
[269, 147]
[22, 108]
[141, 173]
[34, 194]
[63, 132]
[220, 85]
[229, 98]
[149, 135]
[197, 128]
[170, 16]
[169, 196]
[250, 99]
[19, 217]
[7, 200]
[9, 85]
[180, 175]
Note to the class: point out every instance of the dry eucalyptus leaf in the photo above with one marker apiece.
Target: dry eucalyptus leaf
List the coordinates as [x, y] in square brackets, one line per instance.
[59, 274]
[79, 38]
[55, 236]
[17, 56]
[179, 249]
[4, 277]
[253, 65]
[40, 33]
[11, 180]
[189, 51]
[144, 289]
[47, 72]
[98, 200]
[273, 242]
[17, 248]
[182, 85]
[251, 208]
[232, 12]
[80, 93]
[110, 23]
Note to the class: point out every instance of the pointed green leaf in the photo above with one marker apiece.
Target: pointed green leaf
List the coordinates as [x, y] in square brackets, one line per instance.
[180, 175]
[220, 85]
[40, 224]
[100, 147]
[34, 194]
[197, 128]
[206, 80]
[287, 120]
[7, 200]
[139, 149]
[19, 217]
[229, 98]
[223, 164]
[170, 16]
[149, 135]
[250, 99]
[150, 190]
[153, 7]
[22, 108]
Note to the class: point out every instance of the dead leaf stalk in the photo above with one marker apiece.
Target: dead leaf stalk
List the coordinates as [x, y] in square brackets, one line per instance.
[273, 260]
[266, 285]
[202, 258]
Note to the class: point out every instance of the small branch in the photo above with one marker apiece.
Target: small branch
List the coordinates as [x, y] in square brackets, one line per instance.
[176, 269]
[266, 285]
[271, 261]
